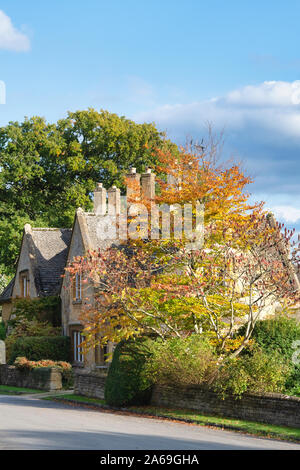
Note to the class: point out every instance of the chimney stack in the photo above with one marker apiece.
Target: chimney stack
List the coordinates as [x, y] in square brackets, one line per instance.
[114, 201]
[148, 185]
[100, 199]
[133, 185]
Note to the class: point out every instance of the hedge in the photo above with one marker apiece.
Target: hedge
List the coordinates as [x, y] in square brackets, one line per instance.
[277, 335]
[126, 382]
[36, 348]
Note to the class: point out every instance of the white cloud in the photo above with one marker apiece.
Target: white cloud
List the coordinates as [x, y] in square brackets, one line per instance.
[272, 106]
[270, 93]
[288, 213]
[10, 37]
[262, 130]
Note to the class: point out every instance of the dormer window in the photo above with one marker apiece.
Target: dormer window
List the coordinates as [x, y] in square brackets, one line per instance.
[24, 284]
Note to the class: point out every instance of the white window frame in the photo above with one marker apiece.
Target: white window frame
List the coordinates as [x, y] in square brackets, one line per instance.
[25, 285]
[78, 351]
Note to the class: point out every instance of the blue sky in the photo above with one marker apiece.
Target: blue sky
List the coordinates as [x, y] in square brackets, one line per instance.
[178, 63]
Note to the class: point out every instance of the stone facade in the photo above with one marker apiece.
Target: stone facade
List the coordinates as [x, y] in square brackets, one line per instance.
[40, 379]
[41, 263]
[270, 408]
[90, 384]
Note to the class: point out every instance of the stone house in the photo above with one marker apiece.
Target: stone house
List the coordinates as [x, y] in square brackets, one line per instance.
[40, 265]
[91, 231]
[45, 252]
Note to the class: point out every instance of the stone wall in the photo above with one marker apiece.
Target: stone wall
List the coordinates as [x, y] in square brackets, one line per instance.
[90, 384]
[40, 379]
[271, 408]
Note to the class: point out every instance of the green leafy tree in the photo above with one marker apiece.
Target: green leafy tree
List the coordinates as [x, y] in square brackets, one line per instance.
[47, 170]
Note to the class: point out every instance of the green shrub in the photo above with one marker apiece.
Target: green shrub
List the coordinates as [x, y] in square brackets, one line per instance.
[189, 361]
[45, 309]
[127, 382]
[194, 361]
[56, 348]
[28, 328]
[292, 385]
[2, 331]
[277, 335]
[255, 373]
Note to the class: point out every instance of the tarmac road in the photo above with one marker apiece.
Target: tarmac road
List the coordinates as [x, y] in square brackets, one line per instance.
[33, 424]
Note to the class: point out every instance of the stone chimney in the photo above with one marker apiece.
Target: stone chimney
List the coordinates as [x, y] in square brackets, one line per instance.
[114, 201]
[100, 199]
[133, 185]
[148, 185]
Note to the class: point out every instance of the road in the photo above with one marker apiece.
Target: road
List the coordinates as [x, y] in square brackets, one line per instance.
[31, 423]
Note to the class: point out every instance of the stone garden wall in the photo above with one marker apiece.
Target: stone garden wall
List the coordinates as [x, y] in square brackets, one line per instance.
[90, 384]
[40, 379]
[271, 408]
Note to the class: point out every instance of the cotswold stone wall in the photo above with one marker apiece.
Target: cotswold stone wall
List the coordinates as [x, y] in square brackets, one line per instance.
[271, 408]
[40, 379]
[90, 384]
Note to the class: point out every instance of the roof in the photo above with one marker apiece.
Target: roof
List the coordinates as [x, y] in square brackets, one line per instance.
[7, 293]
[48, 248]
[101, 234]
[97, 230]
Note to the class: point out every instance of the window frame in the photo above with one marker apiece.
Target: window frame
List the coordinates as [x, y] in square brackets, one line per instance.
[24, 284]
[77, 352]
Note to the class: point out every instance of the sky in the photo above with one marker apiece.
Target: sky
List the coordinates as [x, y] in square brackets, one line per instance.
[180, 63]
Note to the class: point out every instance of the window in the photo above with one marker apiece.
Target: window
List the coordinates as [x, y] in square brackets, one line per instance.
[24, 284]
[77, 349]
[77, 288]
[101, 354]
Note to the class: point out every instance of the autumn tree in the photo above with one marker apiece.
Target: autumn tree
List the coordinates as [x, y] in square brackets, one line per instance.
[162, 287]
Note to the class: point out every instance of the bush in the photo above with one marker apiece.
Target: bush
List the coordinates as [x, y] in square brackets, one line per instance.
[255, 373]
[64, 367]
[56, 348]
[127, 382]
[28, 328]
[2, 331]
[189, 361]
[276, 336]
[45, 309]
[194, 361]
[292, 385]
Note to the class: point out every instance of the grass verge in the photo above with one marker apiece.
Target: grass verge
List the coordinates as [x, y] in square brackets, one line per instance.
[190, 416]
[9, 390]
